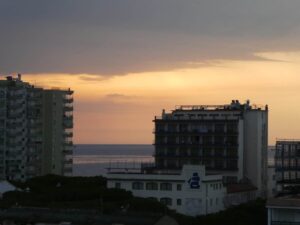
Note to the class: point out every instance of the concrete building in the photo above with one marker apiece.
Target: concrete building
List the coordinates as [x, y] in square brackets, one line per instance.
[283, 211]
[287, 165]
[35, 130]
[58, 131]
[271, 172]
[238, 194]
[231, 140]
[272, 191]
[191, 191]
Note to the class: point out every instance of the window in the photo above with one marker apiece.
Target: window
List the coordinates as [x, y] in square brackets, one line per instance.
[179, 187]
[137, 186]
[211, 202]
[219, 163]
[217, 201]
[230, 179]
[286, 163]
[178, 201]
[219, 128]
[232, 128]
[160, 127]
[286, 175]
[118, 185]
[166, 201]
[232, 165]
[166, 186]
[151, 186]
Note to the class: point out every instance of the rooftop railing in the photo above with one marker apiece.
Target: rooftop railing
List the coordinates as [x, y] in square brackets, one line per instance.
[191, 118]
[219, 107]
[287, 140]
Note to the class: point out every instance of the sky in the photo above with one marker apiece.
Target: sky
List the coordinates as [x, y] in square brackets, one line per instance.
[127, 60]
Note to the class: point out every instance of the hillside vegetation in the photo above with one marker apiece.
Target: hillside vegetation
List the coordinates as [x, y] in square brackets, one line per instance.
[90, 193]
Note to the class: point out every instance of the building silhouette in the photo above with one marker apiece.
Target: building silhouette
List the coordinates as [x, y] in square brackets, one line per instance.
[287, 165]
[231, 140]
[35, 130]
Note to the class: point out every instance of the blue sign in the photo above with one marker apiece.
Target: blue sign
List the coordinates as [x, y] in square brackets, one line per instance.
[194, 181]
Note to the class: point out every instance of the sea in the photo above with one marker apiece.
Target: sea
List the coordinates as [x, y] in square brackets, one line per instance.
[94, 160]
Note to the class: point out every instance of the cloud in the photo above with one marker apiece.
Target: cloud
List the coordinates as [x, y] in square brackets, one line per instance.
[125, 36]
[119, 96]
[105, 106]
[92, 78]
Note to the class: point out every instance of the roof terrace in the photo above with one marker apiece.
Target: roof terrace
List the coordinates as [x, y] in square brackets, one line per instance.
[234, 105]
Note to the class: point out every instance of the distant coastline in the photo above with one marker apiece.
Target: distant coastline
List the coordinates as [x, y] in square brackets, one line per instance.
[93, 159]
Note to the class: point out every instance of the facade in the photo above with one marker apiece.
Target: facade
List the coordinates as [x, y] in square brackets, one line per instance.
[238, 194]
[228, 139]
[58, 132]
[287, 165]
[35, 130]
[191, 192]
[283, 211]
[271, 172]
[272, 191]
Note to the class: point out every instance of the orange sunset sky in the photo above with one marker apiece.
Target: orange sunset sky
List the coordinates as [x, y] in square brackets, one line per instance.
[120, 109]
[127, 60]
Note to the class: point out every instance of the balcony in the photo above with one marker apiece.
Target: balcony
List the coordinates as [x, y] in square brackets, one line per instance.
[16, 113]
[16, 96]
[287, 168]
[68, 117]
[67, 152]
[68, 99]
[68, 143]
[68, 162]
[67, 124]
[68, 108]
[68, 134]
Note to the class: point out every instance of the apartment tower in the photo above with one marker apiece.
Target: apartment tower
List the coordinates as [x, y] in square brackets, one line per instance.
[287, 165]
[231, 140]
[35, 130]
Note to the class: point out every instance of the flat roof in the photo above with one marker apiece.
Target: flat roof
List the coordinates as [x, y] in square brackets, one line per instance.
[284, 202]
[287, 140]
[234, 106]
[234, 188]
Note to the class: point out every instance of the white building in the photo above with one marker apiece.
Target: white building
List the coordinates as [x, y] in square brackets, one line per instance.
[231, 140]
[191, 192]
[6, 186]
[284, 211]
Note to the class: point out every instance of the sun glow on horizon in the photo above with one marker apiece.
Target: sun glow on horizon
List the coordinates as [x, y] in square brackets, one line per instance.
[120, 109]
